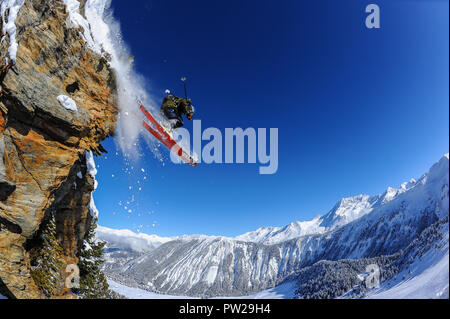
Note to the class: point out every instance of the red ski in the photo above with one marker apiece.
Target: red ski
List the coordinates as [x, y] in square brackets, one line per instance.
[161, 134]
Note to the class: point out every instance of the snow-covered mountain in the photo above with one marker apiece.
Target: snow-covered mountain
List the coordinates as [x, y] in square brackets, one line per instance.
[344, 212]
[357, 228]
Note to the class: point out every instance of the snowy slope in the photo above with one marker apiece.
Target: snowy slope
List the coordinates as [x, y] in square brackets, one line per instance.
[283, 291]
[424, 276]
[428, 281]
[136, 293]
[218, 266]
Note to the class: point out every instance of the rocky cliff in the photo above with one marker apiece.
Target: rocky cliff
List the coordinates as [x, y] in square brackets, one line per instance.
[43, 168]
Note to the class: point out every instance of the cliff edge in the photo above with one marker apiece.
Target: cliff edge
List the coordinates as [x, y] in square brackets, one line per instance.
[57, 101]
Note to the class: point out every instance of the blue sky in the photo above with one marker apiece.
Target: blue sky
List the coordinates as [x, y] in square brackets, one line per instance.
[358, 110]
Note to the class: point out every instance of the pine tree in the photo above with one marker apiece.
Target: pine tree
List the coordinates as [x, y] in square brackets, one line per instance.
[46, 267]
[93, 283]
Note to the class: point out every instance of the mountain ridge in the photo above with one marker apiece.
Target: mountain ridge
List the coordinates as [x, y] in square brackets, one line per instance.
[219, 266]
[346, 210]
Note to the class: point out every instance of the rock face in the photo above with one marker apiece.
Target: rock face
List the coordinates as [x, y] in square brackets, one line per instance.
[42, 144]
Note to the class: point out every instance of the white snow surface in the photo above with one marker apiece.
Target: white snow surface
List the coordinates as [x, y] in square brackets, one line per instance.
[10, 26]
[426, 283]
[92, 170]
[92, 208]
[273, 235]
[67, 103]
[75, 19]
[283, 291]
[426, 278]
[87, 246]
[136, 293]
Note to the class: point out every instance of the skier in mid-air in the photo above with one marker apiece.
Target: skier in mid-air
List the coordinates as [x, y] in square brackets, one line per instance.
[173, 108]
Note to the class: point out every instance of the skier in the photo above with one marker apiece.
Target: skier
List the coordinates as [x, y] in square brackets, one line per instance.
[173, 108]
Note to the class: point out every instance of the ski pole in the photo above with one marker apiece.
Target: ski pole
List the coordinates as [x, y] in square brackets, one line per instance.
[185, 88]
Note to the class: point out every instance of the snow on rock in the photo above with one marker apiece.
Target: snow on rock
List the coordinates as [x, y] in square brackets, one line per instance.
[90, 162]
[67, 103]
[92, 208]
[97, 32]
[92, 170]
[75, 19]
[102, 34]
[107, 37]
[9, 24]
